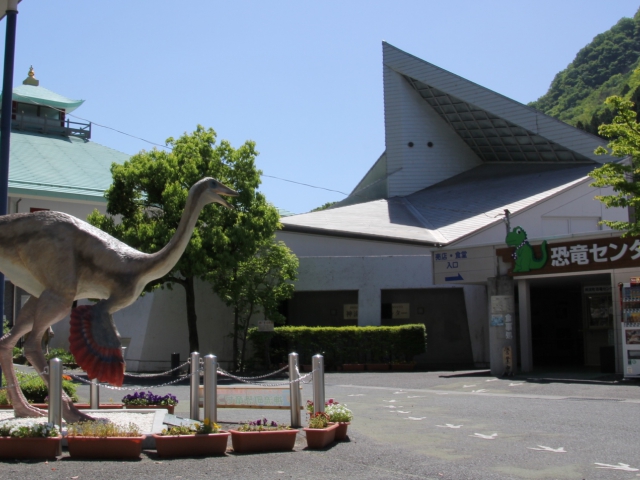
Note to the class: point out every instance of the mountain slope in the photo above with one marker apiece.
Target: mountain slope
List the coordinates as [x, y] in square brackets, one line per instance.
[604, 67]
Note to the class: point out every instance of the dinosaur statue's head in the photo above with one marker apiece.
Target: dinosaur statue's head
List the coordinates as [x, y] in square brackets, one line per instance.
[212, 189]
[515, 237]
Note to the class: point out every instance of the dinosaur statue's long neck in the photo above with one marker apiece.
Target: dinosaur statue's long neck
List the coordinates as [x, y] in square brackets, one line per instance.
[164, 260]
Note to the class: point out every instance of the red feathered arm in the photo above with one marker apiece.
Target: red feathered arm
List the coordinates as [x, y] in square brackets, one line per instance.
[94, 343]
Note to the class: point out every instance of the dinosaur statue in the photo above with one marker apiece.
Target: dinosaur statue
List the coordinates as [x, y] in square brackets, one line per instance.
[523, 256]
[58, 258]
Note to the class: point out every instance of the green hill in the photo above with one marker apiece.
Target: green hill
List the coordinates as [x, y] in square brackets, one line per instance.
[606, 66]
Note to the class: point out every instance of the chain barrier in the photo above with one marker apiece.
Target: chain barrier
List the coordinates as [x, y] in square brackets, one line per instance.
[149, 375]
[278, 384]
[224, 372]
[111, 387]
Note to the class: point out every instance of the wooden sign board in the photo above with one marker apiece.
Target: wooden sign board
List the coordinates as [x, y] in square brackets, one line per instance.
[252, 396]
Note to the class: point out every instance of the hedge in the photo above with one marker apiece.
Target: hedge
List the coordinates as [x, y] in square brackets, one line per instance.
[340, 345]
[35, 390]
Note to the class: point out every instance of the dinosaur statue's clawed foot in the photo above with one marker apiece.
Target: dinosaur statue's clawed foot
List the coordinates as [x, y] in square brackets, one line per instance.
[72, 415]
[23, 411]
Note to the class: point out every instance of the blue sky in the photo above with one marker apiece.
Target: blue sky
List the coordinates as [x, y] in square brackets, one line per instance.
[301, 79]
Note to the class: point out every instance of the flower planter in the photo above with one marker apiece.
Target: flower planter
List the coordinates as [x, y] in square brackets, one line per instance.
[353, 367]
[403, 367]
[30, 447]
[105, 447]
[320, 437]
[377, 367]
[169, 408]
[191, 445]
[341, 431]
[267, 441]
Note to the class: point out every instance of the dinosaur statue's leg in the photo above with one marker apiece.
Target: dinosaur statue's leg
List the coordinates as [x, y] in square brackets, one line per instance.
[51, 308]
[22, 325]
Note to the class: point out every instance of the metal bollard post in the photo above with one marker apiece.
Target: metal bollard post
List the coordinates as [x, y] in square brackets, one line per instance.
[55, 394]
[317, 362]
[94, 395]
[294, 390]
[211, 388]
[194, 408]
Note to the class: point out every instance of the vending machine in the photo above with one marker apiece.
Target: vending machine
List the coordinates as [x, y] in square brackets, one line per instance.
[630, 299]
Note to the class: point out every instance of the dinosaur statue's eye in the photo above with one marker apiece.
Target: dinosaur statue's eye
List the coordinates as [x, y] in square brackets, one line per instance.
[213, 184]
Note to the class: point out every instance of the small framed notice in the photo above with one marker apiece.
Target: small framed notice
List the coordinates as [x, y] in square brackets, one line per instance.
[265, 326]
[350, 311]
[400, 310]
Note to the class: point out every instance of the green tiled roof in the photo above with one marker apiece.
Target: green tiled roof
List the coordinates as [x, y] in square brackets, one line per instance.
[42, 96]
[61, 167]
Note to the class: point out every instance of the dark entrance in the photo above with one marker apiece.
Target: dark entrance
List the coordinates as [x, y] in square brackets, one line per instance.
[566, 327]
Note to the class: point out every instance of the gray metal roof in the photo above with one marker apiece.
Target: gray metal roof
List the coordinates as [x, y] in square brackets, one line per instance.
[496, 127]
[450, 210]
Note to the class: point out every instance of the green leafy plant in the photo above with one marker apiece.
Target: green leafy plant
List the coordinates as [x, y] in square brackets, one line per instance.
[30, 429]
[204, 428]
[341, 345]
[319, 420]
[100, 429]
[262, 425]
[65, 356]
[35, 390]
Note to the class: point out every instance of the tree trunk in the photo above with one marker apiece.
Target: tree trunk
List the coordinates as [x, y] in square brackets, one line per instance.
[192, 318]
[236, 328]
[244, 337]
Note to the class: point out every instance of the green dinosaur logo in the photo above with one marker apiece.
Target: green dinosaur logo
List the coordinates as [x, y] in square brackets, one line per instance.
[525, 259]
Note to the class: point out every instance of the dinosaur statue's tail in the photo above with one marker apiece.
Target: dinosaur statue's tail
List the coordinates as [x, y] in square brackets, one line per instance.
[94, 343]
[540, 262]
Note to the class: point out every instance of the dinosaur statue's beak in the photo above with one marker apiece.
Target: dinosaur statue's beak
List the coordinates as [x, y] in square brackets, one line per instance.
[224, 190]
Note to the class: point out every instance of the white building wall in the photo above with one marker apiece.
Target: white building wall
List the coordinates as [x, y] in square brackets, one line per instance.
[409, 118]
[574, 211]
[79, 209]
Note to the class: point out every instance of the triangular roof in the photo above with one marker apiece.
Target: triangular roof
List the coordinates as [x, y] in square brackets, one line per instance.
[457, 154]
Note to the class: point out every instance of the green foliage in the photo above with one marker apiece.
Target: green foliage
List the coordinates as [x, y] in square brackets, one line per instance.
[621, 176]
[204, 428]
[319, 420]
[324, 207]
[341, 345]
[150, 190]
[5, 327]
[256, 285]
[603, 68]
[32, 429]
[64, 355]
[100, 429]
[35, 390]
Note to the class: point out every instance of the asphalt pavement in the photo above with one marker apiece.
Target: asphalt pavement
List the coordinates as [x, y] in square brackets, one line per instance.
[427, 425]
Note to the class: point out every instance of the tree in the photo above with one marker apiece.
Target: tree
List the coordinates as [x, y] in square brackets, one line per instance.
[257, 285]
[324, 207]
[622, 176]
[149, 193]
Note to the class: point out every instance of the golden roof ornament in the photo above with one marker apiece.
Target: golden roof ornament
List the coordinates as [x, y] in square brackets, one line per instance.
[31, 79]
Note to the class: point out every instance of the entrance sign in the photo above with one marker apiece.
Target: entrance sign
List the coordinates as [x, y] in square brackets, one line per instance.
[463, 265]
[583, 255]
